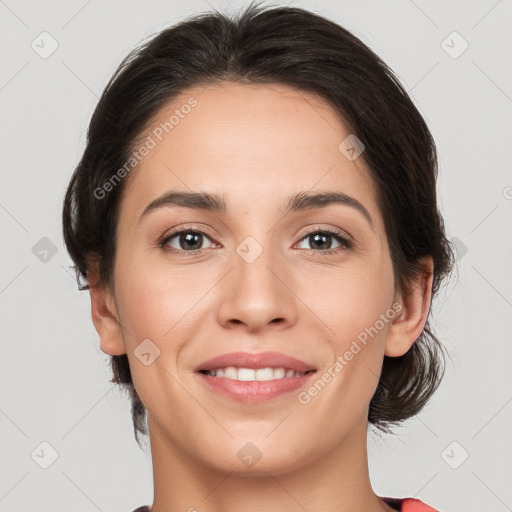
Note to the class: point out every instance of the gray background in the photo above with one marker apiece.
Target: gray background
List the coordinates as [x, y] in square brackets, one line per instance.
[53, 376]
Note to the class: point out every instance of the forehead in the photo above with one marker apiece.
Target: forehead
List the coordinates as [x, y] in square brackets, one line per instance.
[250, 143]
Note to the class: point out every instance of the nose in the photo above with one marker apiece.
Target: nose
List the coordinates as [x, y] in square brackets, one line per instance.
[257, 294]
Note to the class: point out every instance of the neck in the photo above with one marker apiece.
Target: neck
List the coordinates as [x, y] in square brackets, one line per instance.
[336, 481]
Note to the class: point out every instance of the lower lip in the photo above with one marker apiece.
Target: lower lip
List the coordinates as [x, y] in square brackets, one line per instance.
[254, 392]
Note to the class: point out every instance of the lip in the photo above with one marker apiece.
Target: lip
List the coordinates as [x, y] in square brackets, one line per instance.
[255, 360]
[254, 392]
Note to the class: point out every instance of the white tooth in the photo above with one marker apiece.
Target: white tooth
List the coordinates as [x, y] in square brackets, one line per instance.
[249, 374]
[231, 372]
[246, 374]
[265, 374]
[279, 373]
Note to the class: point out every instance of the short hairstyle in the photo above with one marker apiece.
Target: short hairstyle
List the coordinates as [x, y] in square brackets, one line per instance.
[310, 53]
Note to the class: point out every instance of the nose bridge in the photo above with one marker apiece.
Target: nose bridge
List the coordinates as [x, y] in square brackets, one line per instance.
[255, 260]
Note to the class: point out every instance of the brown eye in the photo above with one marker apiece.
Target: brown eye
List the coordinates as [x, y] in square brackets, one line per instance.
[323, 241]
[185, 240]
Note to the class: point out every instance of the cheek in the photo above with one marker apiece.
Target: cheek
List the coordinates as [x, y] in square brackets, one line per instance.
[155, 300]
[157, 306]
[352, 299]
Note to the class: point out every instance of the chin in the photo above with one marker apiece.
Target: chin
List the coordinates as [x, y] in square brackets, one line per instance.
[251, 459]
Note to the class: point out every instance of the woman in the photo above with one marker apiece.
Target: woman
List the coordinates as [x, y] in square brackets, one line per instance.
[255, 217]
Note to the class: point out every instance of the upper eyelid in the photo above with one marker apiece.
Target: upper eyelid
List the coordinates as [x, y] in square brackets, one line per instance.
[187, 229]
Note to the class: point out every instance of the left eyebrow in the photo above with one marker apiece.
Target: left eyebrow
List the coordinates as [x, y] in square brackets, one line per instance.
[307, 201]
[297, 202]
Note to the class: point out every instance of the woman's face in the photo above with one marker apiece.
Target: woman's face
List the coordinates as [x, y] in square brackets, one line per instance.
[260, 279]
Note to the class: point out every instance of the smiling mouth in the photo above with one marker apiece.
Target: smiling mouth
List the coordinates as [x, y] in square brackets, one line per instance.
[254, 374]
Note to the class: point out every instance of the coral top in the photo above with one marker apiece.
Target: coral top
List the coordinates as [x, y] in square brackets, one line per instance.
[400, 504]
[408, 505]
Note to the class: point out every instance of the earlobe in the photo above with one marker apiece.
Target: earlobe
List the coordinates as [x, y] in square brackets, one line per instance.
[105, 319]
[408, 325]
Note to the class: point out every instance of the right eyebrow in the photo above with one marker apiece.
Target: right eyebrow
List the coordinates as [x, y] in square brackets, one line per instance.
[197, 200]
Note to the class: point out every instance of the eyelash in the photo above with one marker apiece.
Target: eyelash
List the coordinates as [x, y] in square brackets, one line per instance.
[345, 242]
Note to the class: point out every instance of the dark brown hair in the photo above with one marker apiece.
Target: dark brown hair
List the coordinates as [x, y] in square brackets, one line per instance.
[304, 50]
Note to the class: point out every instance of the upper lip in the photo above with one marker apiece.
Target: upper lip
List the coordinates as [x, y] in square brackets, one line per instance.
[255, 360]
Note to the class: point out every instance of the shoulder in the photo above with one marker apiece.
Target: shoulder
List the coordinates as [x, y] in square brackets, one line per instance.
[408, 505]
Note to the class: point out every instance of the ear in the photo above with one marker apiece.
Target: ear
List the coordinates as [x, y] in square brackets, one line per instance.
[405, 329]
[105, 318]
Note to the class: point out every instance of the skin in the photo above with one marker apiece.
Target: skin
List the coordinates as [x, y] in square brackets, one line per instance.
[256, 144]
